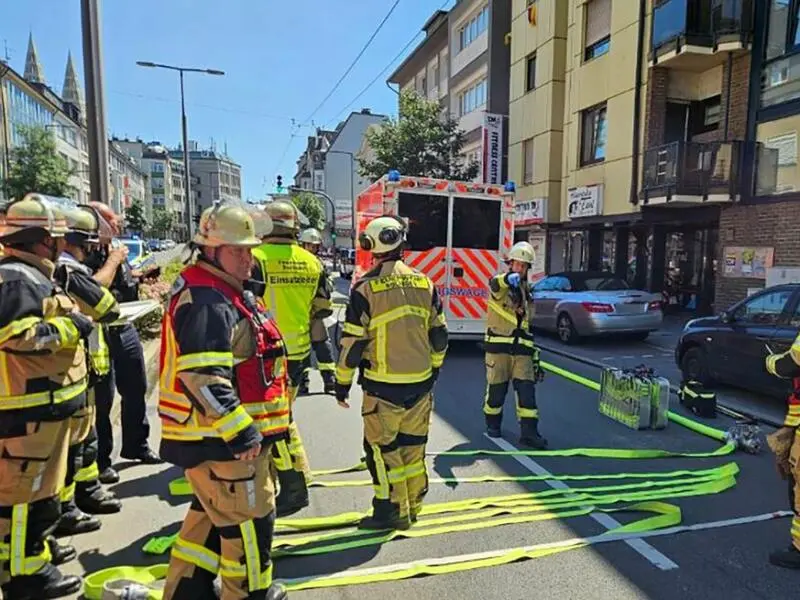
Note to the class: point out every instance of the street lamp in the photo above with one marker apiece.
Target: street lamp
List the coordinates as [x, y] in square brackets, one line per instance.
[186, 182]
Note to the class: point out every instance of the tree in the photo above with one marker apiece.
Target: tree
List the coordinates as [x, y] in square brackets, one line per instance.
[420, 142]
[36, 166]
[163, 222]
[135, 219]
[311, 206]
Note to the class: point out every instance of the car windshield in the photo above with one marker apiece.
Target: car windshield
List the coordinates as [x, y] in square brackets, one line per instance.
[134, 249]
[598, 283]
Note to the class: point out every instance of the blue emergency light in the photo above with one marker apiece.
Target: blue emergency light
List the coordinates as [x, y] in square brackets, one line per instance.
[510, 186]
[393, 175]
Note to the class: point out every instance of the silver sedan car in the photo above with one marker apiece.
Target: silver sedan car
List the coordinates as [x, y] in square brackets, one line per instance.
[579, 304]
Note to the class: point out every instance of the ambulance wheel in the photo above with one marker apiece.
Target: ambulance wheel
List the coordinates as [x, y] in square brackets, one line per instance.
[694, 366]
[566, 329]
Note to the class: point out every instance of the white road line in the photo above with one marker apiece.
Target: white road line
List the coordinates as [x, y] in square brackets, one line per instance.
[646, 550]
[647, 356]
[608, 358]
[629, 357]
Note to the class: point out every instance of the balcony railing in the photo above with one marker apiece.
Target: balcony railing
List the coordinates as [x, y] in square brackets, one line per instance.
[698, 169]
[706, 23]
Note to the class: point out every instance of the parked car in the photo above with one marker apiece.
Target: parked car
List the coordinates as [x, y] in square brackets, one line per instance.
[731, 347]
[584, 304]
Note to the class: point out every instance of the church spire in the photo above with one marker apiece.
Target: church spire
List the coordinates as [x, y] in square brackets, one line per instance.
[33, 68]
[72, 90]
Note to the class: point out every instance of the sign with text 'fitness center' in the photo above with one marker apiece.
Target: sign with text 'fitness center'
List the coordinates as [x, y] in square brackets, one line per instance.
[492, 148]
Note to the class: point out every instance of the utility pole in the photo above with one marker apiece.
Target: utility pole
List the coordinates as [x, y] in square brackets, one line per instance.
[95, 101]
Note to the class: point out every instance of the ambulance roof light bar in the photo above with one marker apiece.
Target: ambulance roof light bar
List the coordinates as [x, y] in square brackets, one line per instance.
[510, 186]
[393, 175]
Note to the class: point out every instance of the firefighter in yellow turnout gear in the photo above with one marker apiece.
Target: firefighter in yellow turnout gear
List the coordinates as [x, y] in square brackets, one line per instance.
[43, 384]
[223, 404]
[785, 443]
[396, 335]
[311, 240]
[82, 491]
[511, 355]
[292, 283]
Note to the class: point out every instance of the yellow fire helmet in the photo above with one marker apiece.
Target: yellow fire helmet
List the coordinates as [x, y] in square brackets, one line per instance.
[261, 221]
[284, 216]
[34, 211]
[383, 235]
[226, 225]
[310, 236]
[84, 223]
[523, 252]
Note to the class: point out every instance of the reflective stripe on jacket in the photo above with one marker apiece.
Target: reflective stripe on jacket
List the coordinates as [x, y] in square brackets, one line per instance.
[508, 318]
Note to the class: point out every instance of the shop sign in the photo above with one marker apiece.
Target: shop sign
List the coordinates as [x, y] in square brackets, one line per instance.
[748, 262]
[529, 212]
[492, 148]
[539, 242]
[585, 201]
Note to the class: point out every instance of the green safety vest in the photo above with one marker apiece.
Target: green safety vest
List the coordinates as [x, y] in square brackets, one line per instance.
[292, 276]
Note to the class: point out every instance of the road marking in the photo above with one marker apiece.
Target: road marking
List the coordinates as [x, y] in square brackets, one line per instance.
[646, 550]
[624, 357]
[647, 356]
[608, 358]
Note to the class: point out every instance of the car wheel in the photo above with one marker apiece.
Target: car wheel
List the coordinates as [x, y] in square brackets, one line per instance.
[694, 366]
[566, 329]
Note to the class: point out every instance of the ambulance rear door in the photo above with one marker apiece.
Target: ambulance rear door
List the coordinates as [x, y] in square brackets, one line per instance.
[476, 241]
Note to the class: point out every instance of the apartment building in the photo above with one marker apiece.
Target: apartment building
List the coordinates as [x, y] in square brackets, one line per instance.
[310, 173]
[215, 176]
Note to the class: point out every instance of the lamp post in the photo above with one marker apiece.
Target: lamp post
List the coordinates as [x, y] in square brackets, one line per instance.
[186, 181]
[352, 192]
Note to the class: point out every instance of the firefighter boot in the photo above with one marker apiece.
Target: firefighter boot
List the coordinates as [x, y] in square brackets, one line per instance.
[493, 423]
[60, 554]
[293, 494]
[788, 558]
[74, 521]
[530, 434]
[329, 381]
[373, 524]
[275, 592]
[44, 585]
[98, 502]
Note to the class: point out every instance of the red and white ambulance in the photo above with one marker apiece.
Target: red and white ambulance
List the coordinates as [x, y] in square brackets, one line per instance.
[459, 234]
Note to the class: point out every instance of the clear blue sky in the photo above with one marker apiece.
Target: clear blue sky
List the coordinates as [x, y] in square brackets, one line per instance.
[281, 57]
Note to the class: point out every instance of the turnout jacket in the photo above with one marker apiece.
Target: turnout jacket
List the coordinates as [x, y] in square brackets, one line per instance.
[223, 376]
[294, 287]
[395, 333]
[508, 328]
[43, 363]
[787, 366]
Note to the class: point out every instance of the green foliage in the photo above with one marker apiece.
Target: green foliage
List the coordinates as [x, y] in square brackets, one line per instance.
[311, 206]
[170, 271]
[163, 222]
[135, 219]
[36, 166]
[421, 142]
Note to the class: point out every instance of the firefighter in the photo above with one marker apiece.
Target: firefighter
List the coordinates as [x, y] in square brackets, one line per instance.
[311, 240]
[510, 351]
[785, 443]
[223, 402]
[43, 384]
[82, 491]
[397, 371]
[295, 291]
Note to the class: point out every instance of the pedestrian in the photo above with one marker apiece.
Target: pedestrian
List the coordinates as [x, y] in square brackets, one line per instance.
[511, 355]
[129, 374]
[311, 240]
[43, 383]
[83, 493]
[785, 443]
[295, 292]
[223, 403]
[395, 333]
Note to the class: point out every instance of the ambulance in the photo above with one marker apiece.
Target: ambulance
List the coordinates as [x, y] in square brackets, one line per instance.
[459, 233]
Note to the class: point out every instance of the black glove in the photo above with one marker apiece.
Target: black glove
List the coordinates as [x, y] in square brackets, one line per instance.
[538, 371]
[341, 392]
[83, 324]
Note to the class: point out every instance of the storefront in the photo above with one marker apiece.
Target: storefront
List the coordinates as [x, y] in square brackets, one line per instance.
[529, 218]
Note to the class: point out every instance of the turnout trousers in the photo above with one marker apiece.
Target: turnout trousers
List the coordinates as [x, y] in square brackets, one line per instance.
[395, 436]
[227, 532]
[32, 472]
[289, 456]
[81, 481]
[323, 352]
[794, 490]
[518, 369]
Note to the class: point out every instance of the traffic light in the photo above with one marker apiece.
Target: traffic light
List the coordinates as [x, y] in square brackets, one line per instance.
[279, 184]
[333, 236]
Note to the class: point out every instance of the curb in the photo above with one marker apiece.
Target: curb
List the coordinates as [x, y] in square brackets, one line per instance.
[726, 410]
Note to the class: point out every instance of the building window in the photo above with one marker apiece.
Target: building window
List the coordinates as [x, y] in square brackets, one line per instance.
[435, 75]
[594, 128]
[473, 98]
[783, 34]
[473, 28]
[598, 28]
[530, 73]
[527, 161]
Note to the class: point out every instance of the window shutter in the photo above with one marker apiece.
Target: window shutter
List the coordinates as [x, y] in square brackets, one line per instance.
[598, 20]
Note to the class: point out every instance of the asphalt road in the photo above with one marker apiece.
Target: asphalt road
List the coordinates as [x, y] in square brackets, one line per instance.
[681, 566]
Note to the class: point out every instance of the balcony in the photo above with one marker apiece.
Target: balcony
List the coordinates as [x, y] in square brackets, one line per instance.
[696, 35]
[692, 173]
